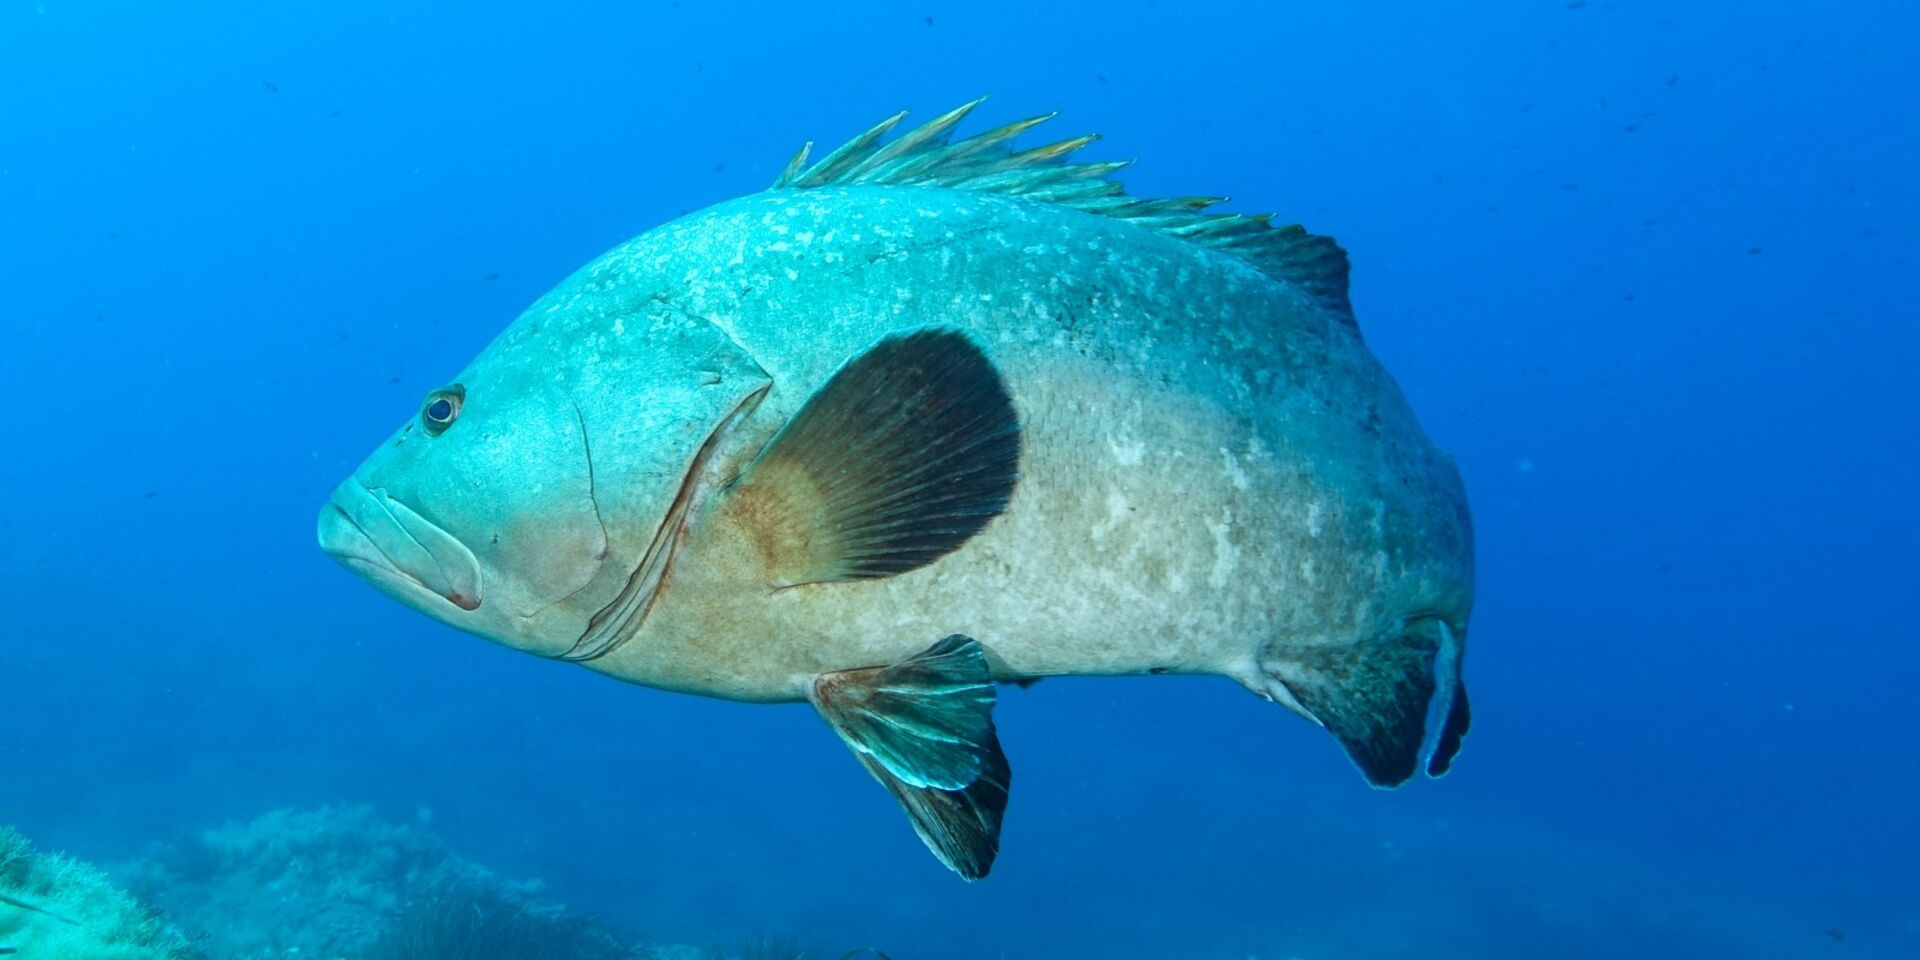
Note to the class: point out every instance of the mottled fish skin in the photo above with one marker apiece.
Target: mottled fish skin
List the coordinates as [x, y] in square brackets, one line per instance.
[1216, 468]
[1171, 452]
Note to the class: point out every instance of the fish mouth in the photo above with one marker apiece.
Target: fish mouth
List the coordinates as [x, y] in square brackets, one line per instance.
[620, 620]
[398, 550]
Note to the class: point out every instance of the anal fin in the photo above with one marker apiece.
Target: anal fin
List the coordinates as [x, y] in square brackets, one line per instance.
[924, 729]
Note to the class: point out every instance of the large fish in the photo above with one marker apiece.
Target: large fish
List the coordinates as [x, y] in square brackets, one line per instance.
[928, 414]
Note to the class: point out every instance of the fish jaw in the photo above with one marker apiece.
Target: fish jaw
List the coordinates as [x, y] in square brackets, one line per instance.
[399, 551]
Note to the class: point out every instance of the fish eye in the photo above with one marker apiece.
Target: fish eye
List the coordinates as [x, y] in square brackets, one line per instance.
[442, 408]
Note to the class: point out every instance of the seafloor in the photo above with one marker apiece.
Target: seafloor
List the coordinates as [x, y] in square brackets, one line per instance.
[334, 883]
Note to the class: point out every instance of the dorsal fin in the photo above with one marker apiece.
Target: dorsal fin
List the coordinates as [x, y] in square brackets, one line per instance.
[927, 156]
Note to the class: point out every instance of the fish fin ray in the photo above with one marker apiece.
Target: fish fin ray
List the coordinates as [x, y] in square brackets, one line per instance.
[938, 754]
[1447, 744]
[925, 157]
[960, 827]
[926, 719]
[909, 450]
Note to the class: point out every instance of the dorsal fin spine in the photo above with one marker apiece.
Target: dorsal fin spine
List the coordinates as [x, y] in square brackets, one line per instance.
[1052, 151]
[1072, 191]
[932, 132]
[795, 165]
[923, 156]
[991, 138]
[849, 153]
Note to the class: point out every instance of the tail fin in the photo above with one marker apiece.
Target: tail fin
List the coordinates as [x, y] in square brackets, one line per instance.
[1394, 703]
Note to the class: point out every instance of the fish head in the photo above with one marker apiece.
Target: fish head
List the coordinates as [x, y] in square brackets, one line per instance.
[479, 510]
[525, 497]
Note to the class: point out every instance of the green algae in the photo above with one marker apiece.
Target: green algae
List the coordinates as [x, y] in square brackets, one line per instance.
[343, 882]
[52, 905]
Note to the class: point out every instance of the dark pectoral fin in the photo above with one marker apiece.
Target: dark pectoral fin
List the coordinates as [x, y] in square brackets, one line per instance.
[905, 453]
[924, 729]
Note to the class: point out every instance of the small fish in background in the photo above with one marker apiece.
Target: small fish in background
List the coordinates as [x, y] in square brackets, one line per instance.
[271, 86]
[930, 415]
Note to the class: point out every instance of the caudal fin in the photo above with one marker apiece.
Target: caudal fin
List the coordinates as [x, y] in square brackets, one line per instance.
[1447, 745]
[1395, 702]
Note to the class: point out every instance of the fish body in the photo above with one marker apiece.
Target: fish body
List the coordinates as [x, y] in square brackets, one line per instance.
[1215, 469]
[932, 414]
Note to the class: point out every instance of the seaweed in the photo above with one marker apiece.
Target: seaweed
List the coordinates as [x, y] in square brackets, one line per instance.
[30, 908]
[333, 882]
[344, 882]
[765, 947]
[464, 921]
[52, 905]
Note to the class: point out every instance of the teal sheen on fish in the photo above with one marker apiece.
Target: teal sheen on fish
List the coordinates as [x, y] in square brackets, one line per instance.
[929, 414]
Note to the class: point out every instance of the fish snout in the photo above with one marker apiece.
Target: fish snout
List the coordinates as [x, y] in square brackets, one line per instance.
[398, 550]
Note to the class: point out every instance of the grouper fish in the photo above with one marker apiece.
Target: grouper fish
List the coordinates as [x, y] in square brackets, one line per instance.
[931, 414]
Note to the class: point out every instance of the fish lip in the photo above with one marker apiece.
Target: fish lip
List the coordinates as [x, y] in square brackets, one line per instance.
[377, 536]
[621, 619]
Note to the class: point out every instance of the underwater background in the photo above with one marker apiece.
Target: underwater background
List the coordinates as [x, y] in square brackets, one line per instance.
[1646, 269]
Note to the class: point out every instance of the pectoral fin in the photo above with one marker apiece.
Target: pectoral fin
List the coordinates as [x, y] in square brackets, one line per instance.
[905, 453]
[924, 729]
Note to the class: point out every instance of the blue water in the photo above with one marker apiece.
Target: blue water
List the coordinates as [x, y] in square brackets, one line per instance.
[1647, 269]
